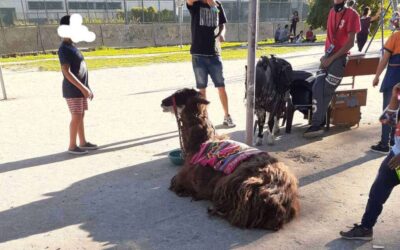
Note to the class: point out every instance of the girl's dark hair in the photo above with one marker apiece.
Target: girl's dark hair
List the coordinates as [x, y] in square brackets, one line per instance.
[65, 20]
[366, 11]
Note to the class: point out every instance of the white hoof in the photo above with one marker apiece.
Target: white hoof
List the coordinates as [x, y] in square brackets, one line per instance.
[259, 141]
[270, 139]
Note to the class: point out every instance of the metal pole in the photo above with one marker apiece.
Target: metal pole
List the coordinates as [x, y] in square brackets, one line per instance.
[126, 12]
[23, 11]
[180, 24]
[2, 85]
[142, 12]
[106, 3]
[251, 64]
[66, 6]
[88, 11]
[45, 9]
[379, 25]
[383, 38]
[159, 11]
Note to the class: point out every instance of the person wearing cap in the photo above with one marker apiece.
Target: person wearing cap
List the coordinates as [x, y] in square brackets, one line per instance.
[342, 26]
[75, 86]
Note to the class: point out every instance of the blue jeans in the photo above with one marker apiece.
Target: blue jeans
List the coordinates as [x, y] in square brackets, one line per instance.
[380, 191]
[208, 65]
[387, 131]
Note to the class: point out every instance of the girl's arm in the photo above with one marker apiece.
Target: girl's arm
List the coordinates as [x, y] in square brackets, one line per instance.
[382, 65]
[377, 15]
[66, 70]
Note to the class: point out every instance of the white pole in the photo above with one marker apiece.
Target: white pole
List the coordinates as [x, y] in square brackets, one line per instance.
[251, 65]
[180, 24]
[2, 85]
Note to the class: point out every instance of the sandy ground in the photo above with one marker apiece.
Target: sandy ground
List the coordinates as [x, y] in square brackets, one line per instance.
[118, 198]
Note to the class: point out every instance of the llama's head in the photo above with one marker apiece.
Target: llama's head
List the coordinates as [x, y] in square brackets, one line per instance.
[184, 98]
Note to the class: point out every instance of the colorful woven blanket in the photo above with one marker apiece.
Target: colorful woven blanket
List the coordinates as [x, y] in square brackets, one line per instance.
[223, 156]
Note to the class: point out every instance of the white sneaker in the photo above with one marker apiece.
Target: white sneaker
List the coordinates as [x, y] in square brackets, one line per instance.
[228, 122]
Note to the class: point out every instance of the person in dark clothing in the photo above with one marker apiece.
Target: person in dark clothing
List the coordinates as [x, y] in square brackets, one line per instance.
[387, 178]
[366, 21]
[75, 88]
[208, 32]
[294, 20]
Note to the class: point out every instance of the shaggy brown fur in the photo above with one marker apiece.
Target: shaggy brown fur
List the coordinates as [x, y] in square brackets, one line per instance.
[260, 193]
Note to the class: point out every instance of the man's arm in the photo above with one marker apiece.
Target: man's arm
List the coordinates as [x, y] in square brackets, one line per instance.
[66, 70]
[221, 33]
[325, 62]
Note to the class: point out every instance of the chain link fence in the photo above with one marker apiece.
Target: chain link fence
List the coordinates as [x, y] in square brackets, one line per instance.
[41, 12]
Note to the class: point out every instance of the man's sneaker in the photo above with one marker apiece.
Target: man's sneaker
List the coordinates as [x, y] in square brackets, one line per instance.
[89, 146]
[391, 144]
[358, 232]
[380, 148]
[77, 151]
[313, 131]
[228, 122]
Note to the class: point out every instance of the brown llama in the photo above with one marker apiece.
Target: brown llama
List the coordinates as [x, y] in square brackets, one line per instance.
[260, 193]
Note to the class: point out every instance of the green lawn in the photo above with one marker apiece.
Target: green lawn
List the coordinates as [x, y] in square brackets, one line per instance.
[168, 54]
[227, 54]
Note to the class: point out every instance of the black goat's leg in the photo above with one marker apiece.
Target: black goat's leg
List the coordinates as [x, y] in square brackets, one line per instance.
[261, 115]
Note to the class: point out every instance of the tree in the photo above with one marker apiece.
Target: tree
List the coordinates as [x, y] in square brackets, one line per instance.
[319, 11]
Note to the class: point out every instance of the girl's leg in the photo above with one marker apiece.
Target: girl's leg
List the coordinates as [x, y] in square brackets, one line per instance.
[81, 132]
[380, 191]
[76, 120]
[294, 29]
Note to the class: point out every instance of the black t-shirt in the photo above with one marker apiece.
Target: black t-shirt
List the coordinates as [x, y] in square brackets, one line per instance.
[69, 54]
[204, 27]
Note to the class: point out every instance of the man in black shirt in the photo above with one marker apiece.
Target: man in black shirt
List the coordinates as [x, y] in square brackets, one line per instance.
[208, 31]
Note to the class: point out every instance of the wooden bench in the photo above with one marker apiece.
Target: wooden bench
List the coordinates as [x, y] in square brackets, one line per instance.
[345, 105]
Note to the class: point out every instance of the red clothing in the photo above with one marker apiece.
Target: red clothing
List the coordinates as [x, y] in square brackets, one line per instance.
[309, 35]
[340, 25]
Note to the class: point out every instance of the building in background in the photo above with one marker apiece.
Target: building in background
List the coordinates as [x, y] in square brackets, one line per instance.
[15, 12]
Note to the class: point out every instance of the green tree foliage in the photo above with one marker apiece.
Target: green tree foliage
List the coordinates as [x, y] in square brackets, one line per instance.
[319, 11]
[148, 15]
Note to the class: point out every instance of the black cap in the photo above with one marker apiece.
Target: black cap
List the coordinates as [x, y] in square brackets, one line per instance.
[65, 20]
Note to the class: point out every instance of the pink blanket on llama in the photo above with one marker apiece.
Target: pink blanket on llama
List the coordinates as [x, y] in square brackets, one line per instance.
[223, 156]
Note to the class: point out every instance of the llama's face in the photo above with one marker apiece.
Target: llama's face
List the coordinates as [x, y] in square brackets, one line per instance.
[181, 98]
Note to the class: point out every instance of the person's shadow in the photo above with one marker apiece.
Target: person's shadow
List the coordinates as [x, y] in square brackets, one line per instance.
[129, 208]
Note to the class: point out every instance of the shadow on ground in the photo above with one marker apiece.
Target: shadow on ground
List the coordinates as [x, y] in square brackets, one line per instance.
[130, 207]
[64, 156]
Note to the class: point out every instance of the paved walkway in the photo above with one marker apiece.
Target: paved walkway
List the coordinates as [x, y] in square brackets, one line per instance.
[118, 198]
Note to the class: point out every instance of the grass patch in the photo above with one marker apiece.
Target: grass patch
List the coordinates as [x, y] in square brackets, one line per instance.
[227, 54]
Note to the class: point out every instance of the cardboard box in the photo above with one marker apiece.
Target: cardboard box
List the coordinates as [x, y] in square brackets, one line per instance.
[349, 98]
[346, 116]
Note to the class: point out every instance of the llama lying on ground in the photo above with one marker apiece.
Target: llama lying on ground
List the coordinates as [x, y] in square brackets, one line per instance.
[252, 190]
